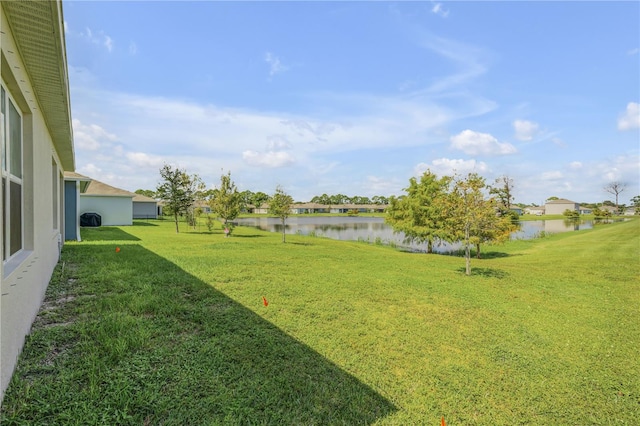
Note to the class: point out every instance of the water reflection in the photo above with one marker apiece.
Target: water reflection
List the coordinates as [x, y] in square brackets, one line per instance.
[375, 230]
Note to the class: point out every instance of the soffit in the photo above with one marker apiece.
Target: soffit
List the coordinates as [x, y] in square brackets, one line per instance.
[37, 27]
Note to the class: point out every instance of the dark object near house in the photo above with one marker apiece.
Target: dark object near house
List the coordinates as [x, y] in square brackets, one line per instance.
[90, 219]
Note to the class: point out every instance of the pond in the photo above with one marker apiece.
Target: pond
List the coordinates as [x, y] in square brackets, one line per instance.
[375, 230]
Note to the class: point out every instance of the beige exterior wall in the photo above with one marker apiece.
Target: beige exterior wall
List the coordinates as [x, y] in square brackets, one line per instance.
[25, 276]
[113, 210]
[559, 208]
[144, 210]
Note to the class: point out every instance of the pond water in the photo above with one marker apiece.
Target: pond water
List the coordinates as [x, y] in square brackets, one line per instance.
[375, 230]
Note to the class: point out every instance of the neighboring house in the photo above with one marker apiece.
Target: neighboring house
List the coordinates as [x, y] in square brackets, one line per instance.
[305, 208]
[114, 205]
[585, 210]
[560, 205]
[36, 148]
[74, 185]
[310, 208]
[360, 208]
[144, 207]
[630, 211]
[611, 209]
[203, 205]
[517, 210]
[537, 211]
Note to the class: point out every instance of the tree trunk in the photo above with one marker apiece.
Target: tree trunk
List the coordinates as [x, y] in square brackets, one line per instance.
[283, 232]
[175, 217]
[478, 251]
[429, 245]
[467, 250]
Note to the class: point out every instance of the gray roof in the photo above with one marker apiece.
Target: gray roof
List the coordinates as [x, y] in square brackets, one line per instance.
[139, 198]
[561, 201]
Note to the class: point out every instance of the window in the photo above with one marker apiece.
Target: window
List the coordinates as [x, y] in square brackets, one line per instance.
[12, 194]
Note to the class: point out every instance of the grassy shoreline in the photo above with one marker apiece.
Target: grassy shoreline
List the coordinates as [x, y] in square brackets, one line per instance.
[172, 330]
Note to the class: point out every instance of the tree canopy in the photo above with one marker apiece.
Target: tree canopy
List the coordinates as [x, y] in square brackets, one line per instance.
[420, 215]
[449, 209]
[226, 201]
[146, 192]
[178, 190]
[280, 206]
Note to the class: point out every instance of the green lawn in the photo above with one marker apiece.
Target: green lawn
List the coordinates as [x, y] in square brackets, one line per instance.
[172, 330]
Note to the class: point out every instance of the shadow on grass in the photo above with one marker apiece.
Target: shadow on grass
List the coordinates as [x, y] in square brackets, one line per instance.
[143, 222]
[247, 236]
[486, 272]
[106, 233]
[156, 345]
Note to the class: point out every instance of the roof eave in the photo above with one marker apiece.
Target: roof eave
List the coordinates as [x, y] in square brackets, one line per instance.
[38, 28]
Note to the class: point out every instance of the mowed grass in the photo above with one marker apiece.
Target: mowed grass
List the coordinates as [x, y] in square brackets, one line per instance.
[172, 329]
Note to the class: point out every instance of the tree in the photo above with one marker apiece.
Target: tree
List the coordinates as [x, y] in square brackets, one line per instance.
[635, 201]
[339, 199]
[146, 192]
[246, 198]
[259, 198]
[379, 199]
[178, 190]
[226, 201]
[321, 199]
[615, 188]
[472, 219]
[503, 190]
[420, 213]
[280, 206]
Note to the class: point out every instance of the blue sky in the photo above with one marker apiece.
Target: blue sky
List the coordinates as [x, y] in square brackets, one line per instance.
[358, 97]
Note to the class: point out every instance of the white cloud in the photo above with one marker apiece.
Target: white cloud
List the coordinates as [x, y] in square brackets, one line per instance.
[439, 10]
[476, 143]
[90, 137]
[375, 185]
[98, 38]
[469, 61]
[525, 130]
[277, 143]
[108, 43]
[271, 159]
[631, 118]
[575, 165]
[551, 176]
[90, 170]
[275, 66]
[449, 167]
[632, 52]
[140, 159]
[133, 49]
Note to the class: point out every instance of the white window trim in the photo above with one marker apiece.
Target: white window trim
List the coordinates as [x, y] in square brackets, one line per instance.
[21, 253]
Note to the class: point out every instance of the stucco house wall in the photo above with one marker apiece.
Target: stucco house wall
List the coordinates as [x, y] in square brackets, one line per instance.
[114, 210]
[114, 205]
[144, 207]
[34, 81]
[559, 206]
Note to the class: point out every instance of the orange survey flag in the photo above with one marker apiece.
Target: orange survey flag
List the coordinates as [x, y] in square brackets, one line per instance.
[117, 249]
[264, 301]
[442, 423]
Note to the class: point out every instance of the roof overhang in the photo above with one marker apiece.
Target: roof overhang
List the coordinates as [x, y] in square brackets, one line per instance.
[38, 29]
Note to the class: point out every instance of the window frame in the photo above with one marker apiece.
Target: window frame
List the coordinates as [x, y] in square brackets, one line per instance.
[9, 179]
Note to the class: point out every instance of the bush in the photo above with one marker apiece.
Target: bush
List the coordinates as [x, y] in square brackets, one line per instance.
[573, 214]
